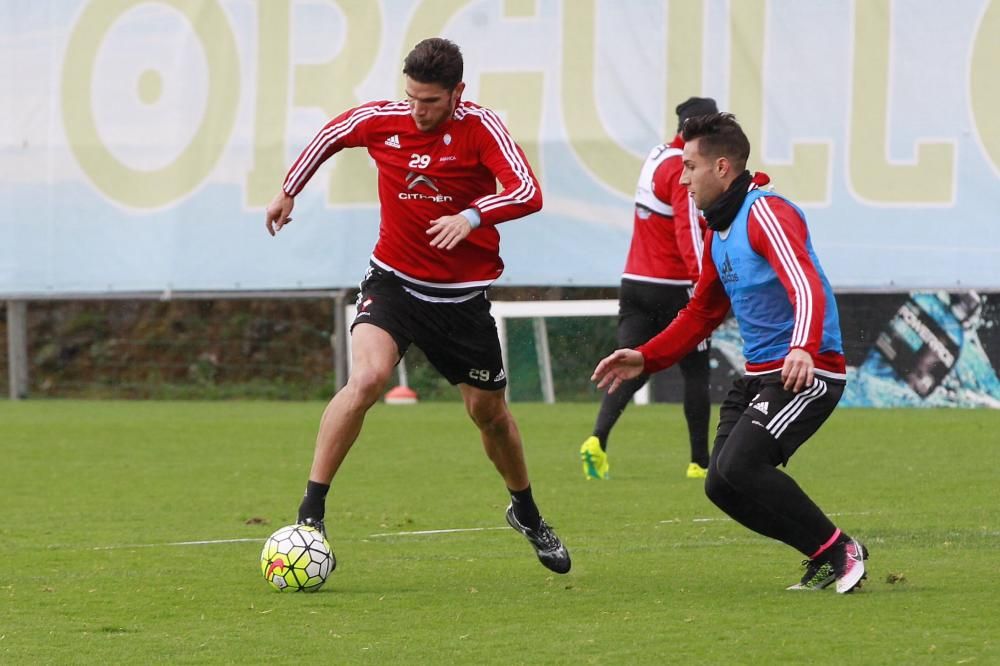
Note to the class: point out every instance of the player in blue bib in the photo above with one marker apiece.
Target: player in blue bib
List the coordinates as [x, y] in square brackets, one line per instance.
[759, 261]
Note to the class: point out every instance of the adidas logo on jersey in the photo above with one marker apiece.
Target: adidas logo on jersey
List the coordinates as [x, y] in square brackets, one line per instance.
[393, 141]
[727, 272]
[761, 407]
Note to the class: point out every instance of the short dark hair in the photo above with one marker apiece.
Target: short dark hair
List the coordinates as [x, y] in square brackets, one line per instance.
[435, 60]
[721, 136]
[694, 106]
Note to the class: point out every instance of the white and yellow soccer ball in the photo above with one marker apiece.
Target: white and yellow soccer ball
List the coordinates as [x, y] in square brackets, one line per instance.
[297, 558]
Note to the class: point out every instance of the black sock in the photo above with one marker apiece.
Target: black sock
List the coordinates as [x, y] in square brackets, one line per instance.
[314, 502]
[612, 406]
[697, 405]
[524, 508]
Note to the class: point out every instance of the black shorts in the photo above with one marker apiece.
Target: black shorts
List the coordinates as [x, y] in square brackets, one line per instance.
[759, 407]
[645, 309]
[459, 338]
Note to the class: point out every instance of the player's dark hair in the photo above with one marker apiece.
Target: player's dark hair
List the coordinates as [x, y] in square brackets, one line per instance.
[694, 106]
[721, 136]
[435, 60]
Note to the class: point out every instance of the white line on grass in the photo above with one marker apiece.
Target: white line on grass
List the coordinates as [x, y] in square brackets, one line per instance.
[484, 529]
[210, 542]
[176, 543]
[453, 530]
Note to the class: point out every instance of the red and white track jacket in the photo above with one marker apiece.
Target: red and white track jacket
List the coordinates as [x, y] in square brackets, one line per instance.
[668, 230]
[425, 175]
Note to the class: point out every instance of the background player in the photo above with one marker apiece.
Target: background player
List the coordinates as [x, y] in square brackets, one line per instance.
[664, 261]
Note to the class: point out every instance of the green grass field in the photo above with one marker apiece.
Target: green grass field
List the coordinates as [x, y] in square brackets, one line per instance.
[97, 497]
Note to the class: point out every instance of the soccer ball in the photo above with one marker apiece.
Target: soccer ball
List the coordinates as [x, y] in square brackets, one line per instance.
[296, 558]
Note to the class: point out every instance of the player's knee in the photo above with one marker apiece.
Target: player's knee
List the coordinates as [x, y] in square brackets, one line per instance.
[716, 487]
[721, 492]
[488, 414]
[730, 470]
[366, 386]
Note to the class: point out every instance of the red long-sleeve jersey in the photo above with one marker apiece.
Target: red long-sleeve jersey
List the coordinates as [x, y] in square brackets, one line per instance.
[668, 230]
[777, 233]
[425, 175]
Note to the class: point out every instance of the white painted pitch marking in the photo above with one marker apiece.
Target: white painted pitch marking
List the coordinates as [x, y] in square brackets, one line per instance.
[177, 543]
[485, 529]
[454, 530]
[209, 542]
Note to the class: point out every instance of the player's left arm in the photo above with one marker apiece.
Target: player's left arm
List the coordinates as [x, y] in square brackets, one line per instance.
[779, 234]
[520, 194]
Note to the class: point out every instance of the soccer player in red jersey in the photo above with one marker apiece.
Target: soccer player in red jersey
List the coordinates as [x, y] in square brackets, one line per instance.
[439, 159]
[664, 261]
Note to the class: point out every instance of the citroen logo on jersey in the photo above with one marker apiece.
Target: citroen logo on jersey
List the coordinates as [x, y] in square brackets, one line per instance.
[413, 179]
[726, 272]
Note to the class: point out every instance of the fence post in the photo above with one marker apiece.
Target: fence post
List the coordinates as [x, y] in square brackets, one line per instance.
[340, 335]
[17, 348]
[544, 359]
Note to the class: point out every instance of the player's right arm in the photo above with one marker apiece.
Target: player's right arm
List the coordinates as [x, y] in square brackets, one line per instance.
[617, 367]
[704, 312]
[347, 130]
[279, 212]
